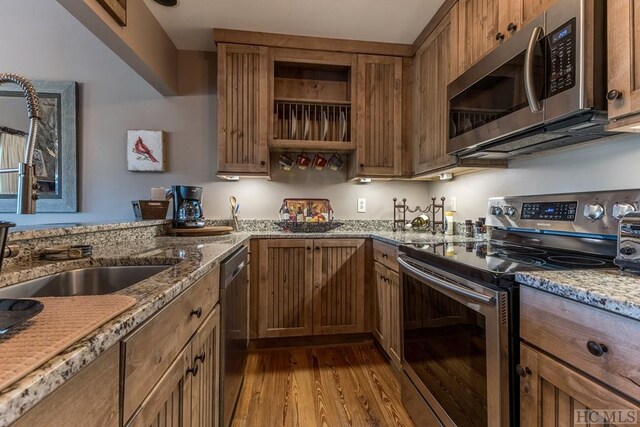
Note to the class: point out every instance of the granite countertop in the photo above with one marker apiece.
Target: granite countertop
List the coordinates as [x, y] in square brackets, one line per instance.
[192, 258]
[611, 290]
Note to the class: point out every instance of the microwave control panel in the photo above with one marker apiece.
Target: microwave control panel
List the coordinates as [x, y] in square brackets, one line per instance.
[562, 58]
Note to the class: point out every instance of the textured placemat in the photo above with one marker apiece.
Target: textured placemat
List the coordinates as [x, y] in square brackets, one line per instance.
[62, 322]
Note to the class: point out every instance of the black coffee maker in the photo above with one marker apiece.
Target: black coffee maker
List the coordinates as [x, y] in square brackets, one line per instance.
[187, 206]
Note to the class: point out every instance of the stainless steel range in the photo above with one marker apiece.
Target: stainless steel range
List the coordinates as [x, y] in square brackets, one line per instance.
[460, 300]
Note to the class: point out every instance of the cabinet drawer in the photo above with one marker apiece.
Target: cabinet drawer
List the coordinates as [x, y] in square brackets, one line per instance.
[386, 254]
[563, 328]
[148, 352]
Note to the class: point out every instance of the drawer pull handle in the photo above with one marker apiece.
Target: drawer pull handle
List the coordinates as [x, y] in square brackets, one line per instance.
[193, 371]
[596, 349]
[197, 312]
[200, 358]
[523, 371]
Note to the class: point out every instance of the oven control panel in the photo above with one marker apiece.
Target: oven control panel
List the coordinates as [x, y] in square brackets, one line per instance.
[593, 212]
[562, 58]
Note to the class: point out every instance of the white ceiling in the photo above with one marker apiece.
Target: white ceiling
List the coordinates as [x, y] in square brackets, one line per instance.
[189, 23]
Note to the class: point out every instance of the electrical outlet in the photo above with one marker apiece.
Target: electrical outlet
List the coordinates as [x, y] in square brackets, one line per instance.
[362, 205]
[454, 204]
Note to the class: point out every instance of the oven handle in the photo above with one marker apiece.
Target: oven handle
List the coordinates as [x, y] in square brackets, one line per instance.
[529, 84]
[478, 297]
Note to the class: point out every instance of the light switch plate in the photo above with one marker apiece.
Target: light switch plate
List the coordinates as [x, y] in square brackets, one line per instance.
[454, 204]
[362, 205]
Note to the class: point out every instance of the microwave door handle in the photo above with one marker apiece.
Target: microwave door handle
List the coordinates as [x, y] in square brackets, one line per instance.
[529, 83]
[439, 283]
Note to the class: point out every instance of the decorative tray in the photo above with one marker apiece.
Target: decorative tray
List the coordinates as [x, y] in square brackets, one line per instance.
[308, 227]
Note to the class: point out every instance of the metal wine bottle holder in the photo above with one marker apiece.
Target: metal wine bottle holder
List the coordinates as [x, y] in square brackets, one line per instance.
[400, 214]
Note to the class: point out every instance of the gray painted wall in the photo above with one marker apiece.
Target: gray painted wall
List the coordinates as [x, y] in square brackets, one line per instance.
[113, 99]
[606, 164]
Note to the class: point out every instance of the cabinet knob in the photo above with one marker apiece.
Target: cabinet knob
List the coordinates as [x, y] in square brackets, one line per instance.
[262, 163]
[596, 349]
[193, 370]
[523, 371]
[613, 94]
[512, 27]
[308, 248]
[361, 165]
[196, 312]
[317, 248]
[500, 36]
[384, 255]
[200, 358]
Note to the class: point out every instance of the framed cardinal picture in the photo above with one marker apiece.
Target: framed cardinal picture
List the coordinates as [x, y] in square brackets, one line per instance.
[146, 151]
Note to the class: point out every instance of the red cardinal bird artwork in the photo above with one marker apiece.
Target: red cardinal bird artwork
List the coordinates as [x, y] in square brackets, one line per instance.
[144, 151]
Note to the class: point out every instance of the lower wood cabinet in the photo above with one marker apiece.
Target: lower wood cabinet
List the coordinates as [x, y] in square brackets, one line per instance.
[310, 287]
[188, 392]
[88, 399]
[387, 300]
[553, 394]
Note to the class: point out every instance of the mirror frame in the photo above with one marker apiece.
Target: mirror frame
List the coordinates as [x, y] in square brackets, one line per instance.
[68, 200]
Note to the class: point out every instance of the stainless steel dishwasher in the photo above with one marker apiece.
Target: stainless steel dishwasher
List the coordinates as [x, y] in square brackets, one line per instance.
[234, 329]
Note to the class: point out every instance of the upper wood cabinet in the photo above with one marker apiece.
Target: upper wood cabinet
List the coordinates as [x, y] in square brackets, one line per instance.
[310, 287]
[484, 24]
[436, 65]
[242, 110]
[379, 116]
[623, 35]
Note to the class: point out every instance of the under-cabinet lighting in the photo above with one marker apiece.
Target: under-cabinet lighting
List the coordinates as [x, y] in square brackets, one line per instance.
[365, 180]
[446, 176]
[636, 127]
[230, 177]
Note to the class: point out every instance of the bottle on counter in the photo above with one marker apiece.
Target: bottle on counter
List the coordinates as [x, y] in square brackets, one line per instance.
[448, 219]
[284, 213]
[300, 214]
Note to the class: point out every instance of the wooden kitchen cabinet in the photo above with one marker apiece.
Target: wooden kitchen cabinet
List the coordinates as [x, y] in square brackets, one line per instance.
[515, 14]
[387, 323]
[90, 398]
[188, 392]
[554, 394]
[379, 116]
[338, 286]
[479, 29]
[242, 110]
[623, 50]
[310, 287]
[436, 65]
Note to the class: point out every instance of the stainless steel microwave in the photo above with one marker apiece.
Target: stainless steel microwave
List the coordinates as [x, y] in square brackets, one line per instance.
[545, 87]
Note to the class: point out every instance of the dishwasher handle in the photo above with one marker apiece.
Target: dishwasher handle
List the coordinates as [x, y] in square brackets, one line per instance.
[436, 282]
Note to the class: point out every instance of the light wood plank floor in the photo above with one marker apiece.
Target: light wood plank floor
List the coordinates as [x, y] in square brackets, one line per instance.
[340, 385]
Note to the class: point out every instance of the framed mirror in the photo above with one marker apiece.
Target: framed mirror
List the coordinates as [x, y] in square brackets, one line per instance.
[55, 155]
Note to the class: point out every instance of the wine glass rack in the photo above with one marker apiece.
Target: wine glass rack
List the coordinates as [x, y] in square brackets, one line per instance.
[400, 214]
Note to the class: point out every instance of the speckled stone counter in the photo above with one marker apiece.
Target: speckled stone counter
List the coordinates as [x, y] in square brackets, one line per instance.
[610, 290]
[191, 257]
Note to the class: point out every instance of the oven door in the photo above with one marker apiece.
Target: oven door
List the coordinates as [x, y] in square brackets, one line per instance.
[501, 94]
[454, 347]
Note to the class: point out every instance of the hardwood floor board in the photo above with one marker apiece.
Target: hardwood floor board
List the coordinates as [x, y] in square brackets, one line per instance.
[332, 385]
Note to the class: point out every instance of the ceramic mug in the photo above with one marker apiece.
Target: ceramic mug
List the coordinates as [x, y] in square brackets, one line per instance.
[319, 162]
[335, 162]
[286, 162]
[303, 161]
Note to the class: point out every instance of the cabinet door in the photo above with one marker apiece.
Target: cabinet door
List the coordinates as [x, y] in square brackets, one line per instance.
[381, 325]
[623, 38]
[436, 66]
[479, 26]
[514, 14]
[168, 401]
[554, 394]
[285, 287]
[338, 286]
[379, 116]
[205, 383]
[394, 317]
[242, 110]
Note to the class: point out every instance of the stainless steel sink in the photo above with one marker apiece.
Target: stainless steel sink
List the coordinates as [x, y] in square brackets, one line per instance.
[83, 281]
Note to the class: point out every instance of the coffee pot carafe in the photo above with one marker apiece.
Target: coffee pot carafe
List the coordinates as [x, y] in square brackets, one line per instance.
[187, 206]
